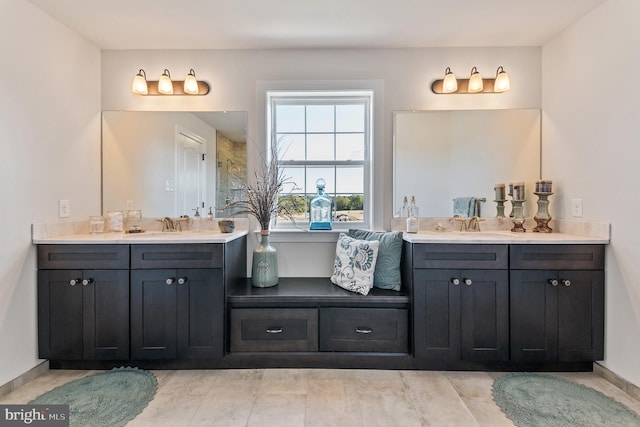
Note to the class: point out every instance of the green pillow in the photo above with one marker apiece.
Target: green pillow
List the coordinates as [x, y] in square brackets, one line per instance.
[387, 270]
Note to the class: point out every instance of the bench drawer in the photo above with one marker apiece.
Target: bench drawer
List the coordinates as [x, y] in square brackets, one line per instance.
[557, 257]
[427, 255]
[188, 255]
[257, 329]
[86, 257]
[364, 330]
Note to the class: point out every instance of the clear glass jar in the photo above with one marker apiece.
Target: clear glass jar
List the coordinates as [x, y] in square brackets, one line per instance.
[96, 224]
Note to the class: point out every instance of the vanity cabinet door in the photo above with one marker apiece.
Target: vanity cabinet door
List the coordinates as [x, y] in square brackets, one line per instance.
[177, 313]
[436, 314]
[461, 314]
[153, 314]
[83, 314]
[200, 310]
[557, 315]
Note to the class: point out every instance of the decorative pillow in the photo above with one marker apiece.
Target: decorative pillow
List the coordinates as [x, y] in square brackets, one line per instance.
[387, 273]
[355, 264]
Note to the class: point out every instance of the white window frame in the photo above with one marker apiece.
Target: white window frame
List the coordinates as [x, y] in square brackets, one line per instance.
[329, 97]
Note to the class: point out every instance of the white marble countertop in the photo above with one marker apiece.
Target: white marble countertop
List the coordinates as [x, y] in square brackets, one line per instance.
[152, 237]
[501, 237]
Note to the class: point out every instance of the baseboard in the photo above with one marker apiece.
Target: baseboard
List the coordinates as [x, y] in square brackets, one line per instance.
[30, 375]
[615, 379]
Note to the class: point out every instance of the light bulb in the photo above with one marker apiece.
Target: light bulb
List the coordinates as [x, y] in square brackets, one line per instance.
[450, 83]
[165, 86]
[190, 83]
[502, 83]
[139, 84]
[476, 83]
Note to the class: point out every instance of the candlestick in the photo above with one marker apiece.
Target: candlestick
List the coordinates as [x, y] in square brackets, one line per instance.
[542, 217]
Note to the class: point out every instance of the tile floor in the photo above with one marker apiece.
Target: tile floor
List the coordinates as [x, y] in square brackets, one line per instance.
[318, 397]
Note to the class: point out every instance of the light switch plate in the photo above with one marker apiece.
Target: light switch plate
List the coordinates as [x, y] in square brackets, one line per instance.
[64, 209]
[576, 208]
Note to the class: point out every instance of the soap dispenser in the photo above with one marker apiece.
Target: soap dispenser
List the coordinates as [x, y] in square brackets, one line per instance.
[195, 225]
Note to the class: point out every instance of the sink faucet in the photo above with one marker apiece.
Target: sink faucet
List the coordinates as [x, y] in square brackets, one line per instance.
[168, 224]
[473, 223]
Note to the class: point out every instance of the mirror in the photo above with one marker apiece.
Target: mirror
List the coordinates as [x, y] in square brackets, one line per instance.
[167, 163]
[443, 155]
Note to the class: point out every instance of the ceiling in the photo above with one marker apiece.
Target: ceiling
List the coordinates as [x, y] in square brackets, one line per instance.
[286, 24]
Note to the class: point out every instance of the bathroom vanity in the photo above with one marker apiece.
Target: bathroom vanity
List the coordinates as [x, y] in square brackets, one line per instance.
[475, 301]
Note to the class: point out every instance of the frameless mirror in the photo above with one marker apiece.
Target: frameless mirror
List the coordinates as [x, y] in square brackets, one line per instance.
[167, 163]
[443, 155]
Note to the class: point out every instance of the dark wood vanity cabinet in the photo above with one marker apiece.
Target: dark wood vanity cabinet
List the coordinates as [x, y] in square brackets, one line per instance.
[177, 313]
[161, 303]
[83, 302]
[557, 303]
[460, 313]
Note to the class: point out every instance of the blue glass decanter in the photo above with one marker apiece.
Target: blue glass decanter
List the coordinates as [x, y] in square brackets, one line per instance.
[320, 209]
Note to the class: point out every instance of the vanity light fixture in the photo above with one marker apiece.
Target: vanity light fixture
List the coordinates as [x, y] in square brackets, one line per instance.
[475, 81]
[474, 84]
[166, 86]
[502, 82]
[139, 84]
[190, 83]
[450, 83]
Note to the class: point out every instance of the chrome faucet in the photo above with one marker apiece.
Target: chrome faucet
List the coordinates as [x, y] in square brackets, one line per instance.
[170, 225]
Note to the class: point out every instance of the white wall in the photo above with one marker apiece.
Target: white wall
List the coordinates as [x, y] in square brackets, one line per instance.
[591, 150]
[50, 141]
[406, 74]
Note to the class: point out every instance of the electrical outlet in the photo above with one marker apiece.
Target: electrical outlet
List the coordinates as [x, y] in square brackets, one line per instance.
[64, 208]
[129, 205]
[576, 208]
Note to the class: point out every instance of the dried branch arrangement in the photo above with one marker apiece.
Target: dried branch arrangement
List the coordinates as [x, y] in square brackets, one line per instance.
[262, 194]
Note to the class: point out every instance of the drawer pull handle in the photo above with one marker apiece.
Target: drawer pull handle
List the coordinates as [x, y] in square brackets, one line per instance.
[566, 282]
[169, 281]
[74, 282]
[455, 281]
[364, 330]
[468, 282]
[86, 282]
[274, 330]
[553, 282]
[182, 281]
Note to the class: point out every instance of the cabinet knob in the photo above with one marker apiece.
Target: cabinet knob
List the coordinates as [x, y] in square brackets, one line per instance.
[182, 280]
[170, 281]
[74, 282]
[455, 281]
[553, 282]
[274, 330]
[566, 282]
[86, 282]
[360, 330]
[468, 282]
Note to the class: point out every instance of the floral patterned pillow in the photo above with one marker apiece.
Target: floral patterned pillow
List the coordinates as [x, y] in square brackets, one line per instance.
[355, 264]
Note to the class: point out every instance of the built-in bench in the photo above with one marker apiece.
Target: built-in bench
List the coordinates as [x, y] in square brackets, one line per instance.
[312, 322]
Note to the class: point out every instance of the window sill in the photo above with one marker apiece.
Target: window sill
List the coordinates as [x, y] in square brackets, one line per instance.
[303, 236]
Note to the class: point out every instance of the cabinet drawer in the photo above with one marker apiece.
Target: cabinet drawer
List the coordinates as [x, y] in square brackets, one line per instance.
[565, 257]
[255, 329]
[364, 329]
[189, 255]
[55, 257]
[426, 255]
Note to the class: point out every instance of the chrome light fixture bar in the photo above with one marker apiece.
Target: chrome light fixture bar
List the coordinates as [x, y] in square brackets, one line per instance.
[165, 86]
[474, 84]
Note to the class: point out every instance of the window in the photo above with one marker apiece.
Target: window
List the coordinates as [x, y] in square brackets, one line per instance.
[324, 134]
